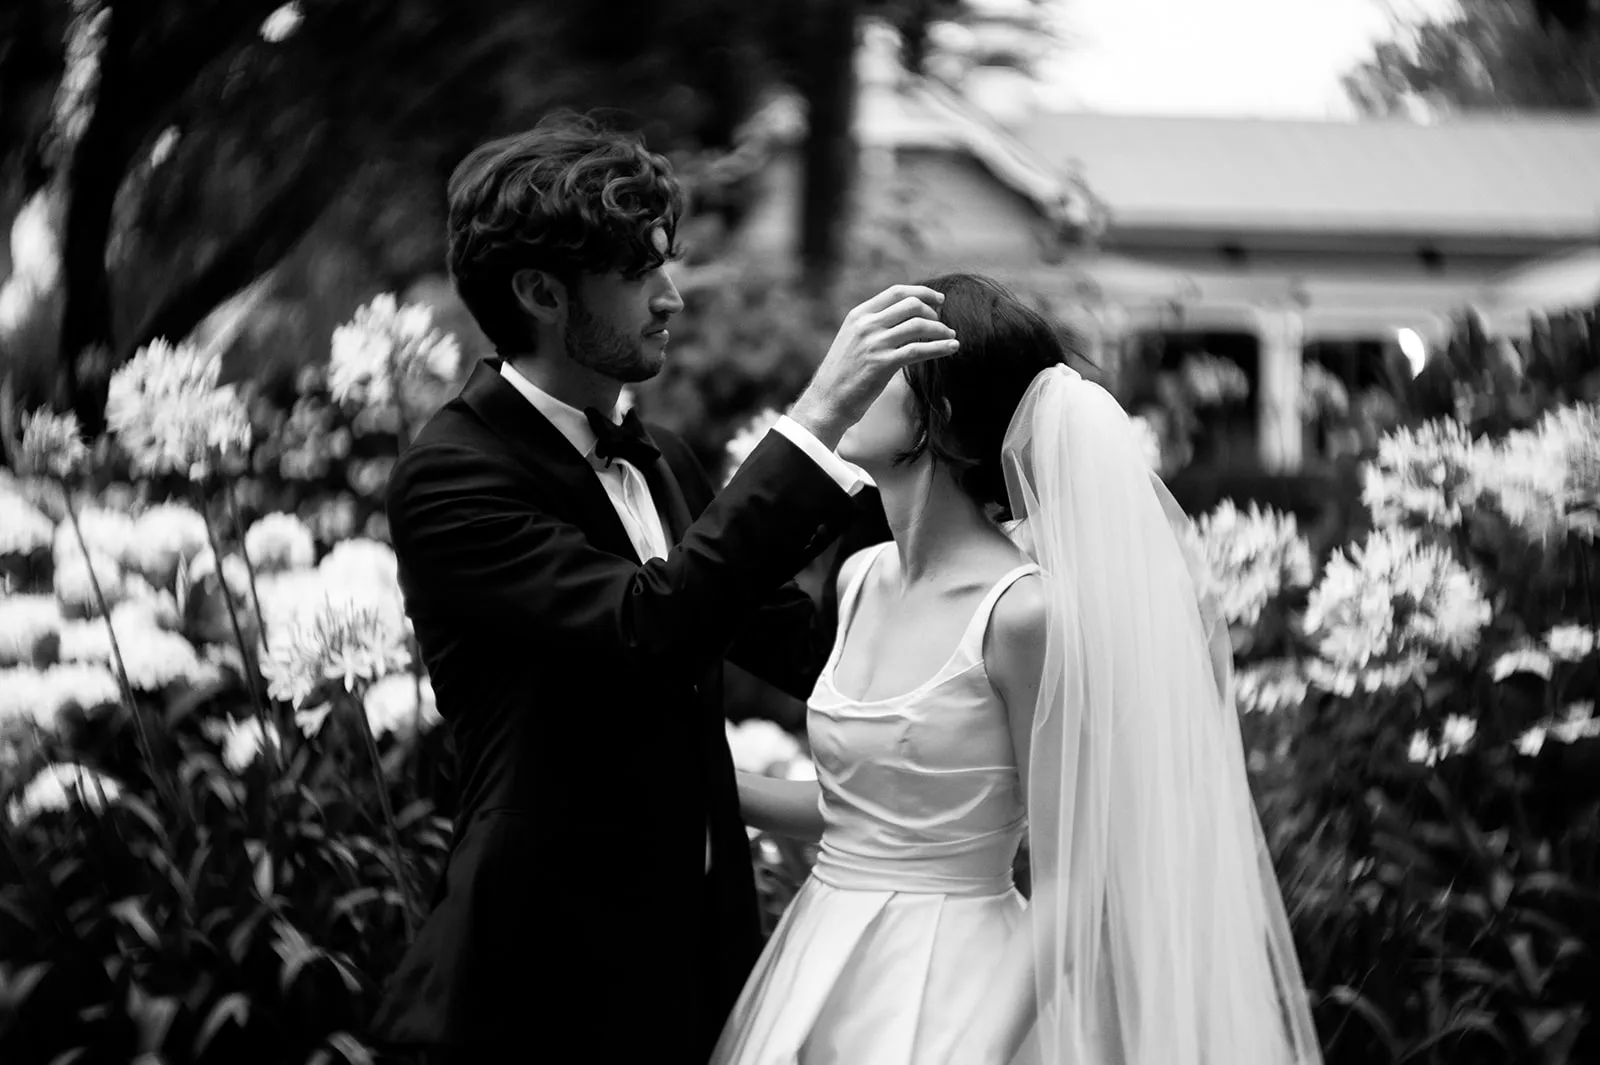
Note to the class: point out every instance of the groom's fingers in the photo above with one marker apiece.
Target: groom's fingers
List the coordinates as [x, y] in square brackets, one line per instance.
[915, 331]
[911, 354]
[894, 294]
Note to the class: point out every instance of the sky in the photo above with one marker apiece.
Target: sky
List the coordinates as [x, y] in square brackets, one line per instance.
[1265, 58]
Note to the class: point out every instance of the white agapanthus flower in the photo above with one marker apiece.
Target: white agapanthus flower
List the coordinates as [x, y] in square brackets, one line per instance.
[367, 572]
[1252, 557]
[361, 561]
[25, 622]
[280, 541]
[60, 785]
[1455, 737]
[760, 746]
[76, 577]
[234, 572]
[746, 438]
[1576, 722]
[23, 529]
[241, 740]
[282, 23]
[39, 696]
[1570, 643]
[1149, 440]
[165, 536]
[109, 533]
[1213, 380]
[392, 704]
[1422, 477]
[1546, 480]
[1386, 610]
[387, 352]
[341, 642]
[52, 446]
[1270, 687]
[154, 657]
[1322, 394]
[167, 409]
[1530, 660]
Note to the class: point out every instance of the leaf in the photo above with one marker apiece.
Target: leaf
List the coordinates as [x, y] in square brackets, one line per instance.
[14, 994]
[1545, 1026]
[142, 810]
[130, 911]
[350, 901]
[1474, 971]
[17, 912]
[186, 702]
[1462, 1024]
[414, 812]
[1520, 947]
[1368, 1011]
[242, 938]
[350, 1048]
[264, 879]
[233, 1007]
[1549, 883]
[153, 1014]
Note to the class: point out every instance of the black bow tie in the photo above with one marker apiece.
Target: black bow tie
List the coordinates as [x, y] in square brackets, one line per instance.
[626, 441]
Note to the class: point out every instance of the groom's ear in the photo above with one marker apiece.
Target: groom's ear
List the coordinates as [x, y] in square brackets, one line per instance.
[541, 294]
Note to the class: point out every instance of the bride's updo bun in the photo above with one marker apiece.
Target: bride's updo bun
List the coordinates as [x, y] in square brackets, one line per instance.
[963, 403]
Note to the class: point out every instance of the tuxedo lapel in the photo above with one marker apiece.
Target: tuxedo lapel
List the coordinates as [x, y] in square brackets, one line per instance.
[668, 496]
[549, 455]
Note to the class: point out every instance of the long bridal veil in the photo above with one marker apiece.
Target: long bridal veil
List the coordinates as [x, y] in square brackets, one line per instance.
[1160, 936]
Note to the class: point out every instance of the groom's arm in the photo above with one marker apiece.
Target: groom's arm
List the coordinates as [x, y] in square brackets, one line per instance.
[475, 543]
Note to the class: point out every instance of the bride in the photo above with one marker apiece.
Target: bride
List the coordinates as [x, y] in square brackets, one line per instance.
[1028, 658]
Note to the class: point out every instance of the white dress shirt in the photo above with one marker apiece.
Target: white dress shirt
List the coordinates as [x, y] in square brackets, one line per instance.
[629, 492]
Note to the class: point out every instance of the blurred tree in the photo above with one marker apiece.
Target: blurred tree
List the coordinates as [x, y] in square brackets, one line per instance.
[1489, 55]
[187, 146]
[815, 45]
[191, 144]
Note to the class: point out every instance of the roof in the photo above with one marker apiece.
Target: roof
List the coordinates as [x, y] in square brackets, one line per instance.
[1526, 176]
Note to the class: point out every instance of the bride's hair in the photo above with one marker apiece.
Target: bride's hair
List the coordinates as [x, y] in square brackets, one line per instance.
[963, 403]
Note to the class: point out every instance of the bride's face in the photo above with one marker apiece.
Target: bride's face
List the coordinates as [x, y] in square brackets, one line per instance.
[886, 430]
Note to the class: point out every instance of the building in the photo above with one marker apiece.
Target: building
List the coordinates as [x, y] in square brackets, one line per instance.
[1352, 243]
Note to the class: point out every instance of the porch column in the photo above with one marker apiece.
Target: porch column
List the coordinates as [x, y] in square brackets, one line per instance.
[1280, 437]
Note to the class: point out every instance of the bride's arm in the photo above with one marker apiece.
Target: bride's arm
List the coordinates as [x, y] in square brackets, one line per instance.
[1014, 654]
[791, 807]
[782, 807]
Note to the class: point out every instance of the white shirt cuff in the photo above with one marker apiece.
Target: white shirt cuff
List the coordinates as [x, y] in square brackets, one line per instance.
[846, 475]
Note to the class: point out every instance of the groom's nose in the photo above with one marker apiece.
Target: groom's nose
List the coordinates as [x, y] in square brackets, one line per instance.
[666, 300]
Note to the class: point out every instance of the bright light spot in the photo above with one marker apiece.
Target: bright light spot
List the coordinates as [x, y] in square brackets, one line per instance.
[282, 22]
[161, 151]
[1413, 348]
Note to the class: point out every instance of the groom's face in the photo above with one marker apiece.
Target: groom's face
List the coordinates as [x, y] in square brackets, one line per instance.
[617, 323]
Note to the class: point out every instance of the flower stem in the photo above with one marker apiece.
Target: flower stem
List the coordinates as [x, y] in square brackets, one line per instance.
[270, 739]
[140, 729]
[252, 671]
[408, 905]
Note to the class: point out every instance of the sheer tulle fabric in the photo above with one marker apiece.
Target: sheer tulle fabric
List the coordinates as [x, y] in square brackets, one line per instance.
[1159, 931]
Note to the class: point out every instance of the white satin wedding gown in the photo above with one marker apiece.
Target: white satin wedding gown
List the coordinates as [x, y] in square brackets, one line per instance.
[881, 957]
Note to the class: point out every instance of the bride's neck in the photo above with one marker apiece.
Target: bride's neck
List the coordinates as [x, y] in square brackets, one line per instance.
[931, 520]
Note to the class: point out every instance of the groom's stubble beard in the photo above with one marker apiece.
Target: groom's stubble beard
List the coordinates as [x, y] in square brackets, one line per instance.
[606, 350]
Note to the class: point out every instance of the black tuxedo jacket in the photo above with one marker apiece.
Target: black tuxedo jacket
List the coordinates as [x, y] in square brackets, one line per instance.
[583, 691]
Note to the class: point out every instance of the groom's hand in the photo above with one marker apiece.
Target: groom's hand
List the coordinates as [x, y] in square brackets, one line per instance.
[894, 329]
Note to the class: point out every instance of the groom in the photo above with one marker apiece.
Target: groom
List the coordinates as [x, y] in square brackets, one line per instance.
[575, 588]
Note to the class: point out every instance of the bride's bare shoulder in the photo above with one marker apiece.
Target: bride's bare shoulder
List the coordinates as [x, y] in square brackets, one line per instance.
[853, 565]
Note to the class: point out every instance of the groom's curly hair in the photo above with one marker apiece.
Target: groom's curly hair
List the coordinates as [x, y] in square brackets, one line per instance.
[569, 196]
[962, 404]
